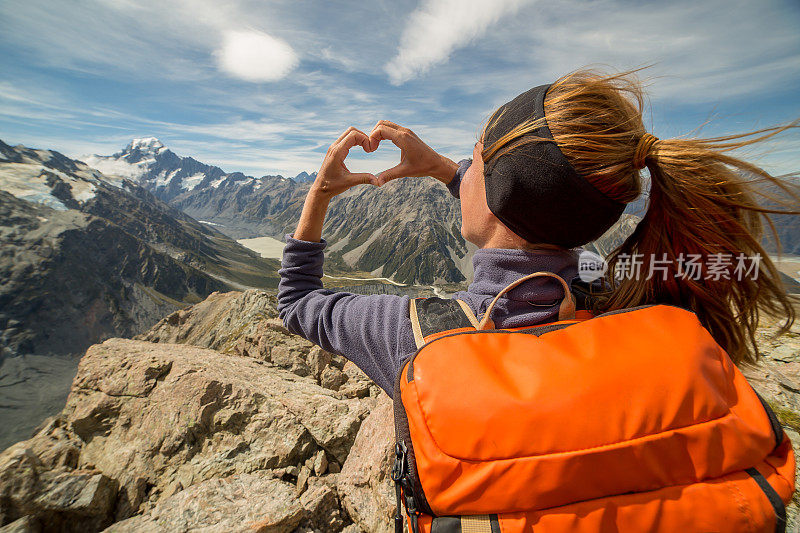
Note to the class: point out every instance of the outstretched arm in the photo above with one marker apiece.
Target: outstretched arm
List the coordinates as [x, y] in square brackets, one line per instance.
[372, 331]
[367, 330]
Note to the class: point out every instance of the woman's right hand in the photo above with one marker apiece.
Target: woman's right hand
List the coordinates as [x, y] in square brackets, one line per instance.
[417, 159]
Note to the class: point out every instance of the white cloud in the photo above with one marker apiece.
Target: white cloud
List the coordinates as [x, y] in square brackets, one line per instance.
[438, 27]
[255, 56]
[243, 130]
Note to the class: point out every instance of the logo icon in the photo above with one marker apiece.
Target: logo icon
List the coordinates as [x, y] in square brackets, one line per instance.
[591, 266]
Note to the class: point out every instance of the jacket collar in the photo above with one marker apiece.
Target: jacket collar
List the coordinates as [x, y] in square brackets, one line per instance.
[532, 302]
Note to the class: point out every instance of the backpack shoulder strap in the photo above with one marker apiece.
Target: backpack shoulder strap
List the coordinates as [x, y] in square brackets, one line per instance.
[584, 293]
[436, 315]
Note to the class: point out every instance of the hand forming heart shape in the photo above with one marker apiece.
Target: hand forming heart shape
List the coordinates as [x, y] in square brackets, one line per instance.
[417, 159]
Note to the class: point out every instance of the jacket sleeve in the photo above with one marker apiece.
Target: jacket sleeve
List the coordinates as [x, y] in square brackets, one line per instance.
[455, 184]
[372, 331]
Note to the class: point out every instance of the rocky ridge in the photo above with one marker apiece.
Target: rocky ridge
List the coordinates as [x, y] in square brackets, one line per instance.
[259, 434]
[219, 419]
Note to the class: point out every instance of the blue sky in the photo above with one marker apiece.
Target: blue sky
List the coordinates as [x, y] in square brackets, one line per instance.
[264, 87]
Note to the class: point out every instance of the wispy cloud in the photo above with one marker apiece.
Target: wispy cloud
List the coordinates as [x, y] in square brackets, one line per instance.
[748, 47]
[437, 27]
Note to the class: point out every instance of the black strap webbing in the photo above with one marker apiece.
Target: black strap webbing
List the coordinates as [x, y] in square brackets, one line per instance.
[440, 314]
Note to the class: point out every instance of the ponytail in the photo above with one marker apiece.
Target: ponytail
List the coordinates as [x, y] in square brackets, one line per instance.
[703, 204]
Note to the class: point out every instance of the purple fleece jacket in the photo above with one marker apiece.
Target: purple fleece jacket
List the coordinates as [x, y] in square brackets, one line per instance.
[374, 331]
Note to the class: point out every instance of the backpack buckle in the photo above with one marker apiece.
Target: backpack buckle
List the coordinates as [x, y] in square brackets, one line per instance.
[399, 466]
[402, 488]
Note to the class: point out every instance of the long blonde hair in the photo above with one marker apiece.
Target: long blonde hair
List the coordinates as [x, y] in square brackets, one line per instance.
[702, 202]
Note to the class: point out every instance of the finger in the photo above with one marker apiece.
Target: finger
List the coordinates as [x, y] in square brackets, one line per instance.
[335, 143]
[375, 142]
[353, 138]
[343, 135]
[385, 124]
[390, 124]
[398, 171]
[383, 131]
[374, 137]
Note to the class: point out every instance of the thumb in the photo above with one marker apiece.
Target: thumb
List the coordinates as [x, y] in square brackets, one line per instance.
[398, 171]
[363, 178]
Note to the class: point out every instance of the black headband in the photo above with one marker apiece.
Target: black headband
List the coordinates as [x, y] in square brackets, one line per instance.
[535, 191]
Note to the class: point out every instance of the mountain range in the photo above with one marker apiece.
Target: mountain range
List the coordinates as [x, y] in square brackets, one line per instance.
[408, 230]
[88, 256]
[158, 169]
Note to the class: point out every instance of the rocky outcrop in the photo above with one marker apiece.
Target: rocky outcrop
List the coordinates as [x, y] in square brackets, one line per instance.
[183, 436]
[162, 436]
[366, 489]
[224, 320]
[243, 502]
[247, 324]
[264, 432]
[54, 497]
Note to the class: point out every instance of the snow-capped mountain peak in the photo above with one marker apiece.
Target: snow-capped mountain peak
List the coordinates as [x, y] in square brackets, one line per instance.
[150, 164]
[158, 169]
[145, 144]
[305, 177]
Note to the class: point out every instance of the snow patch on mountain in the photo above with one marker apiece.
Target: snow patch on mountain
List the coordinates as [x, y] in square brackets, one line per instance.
[85, 193]
[134, 162]
[34, 183]
[192, 181]
[217, 182]
[150, 144]
[42, 198]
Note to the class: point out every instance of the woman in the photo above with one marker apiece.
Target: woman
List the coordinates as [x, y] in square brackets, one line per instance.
[699, 204]
[553, 170]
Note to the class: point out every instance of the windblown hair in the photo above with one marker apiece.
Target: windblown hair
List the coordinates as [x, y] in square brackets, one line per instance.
[702, 201]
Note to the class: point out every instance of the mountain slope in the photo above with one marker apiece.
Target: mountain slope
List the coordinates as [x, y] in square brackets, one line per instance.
[85, 256]
[408, 229]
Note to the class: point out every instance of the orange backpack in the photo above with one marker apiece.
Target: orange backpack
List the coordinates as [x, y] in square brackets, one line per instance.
[633, 420]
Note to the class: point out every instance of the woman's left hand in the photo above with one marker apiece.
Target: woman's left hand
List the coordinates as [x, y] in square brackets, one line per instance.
[334, 177]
